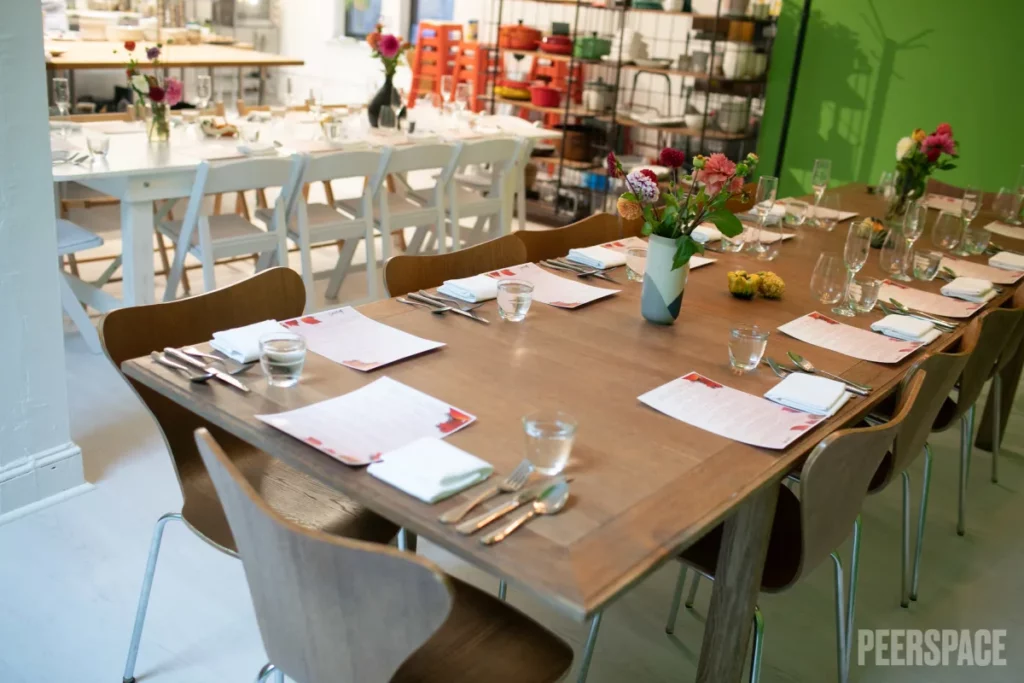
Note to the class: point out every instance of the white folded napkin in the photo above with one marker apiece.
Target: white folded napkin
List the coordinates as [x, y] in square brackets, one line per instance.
[430, 469]
[242, 344]
[597, 257]
[706, 232]
[255, 149]
[472, 289]
[809, 393]
[1007, 260]
[971, 289]
[906, 328]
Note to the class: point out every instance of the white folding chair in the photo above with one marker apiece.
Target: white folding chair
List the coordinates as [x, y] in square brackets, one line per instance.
[398, 210]
[309, 224]
[513, 125]
[71, 239]
[222, 236]
[485, 201]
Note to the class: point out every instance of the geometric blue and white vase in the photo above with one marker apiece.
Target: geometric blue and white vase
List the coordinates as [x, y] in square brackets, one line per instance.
[663, 288]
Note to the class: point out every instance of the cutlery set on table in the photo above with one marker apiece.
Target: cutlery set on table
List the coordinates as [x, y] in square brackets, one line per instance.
[201, 367]
[441, 304]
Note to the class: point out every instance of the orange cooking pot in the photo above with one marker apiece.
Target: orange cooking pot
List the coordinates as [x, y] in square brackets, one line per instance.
[519, 37]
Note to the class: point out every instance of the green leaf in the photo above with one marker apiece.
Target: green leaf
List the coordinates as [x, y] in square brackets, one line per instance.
[726, 222]
[670, 200]
[685, 248]
[629, 196]
[647, 229]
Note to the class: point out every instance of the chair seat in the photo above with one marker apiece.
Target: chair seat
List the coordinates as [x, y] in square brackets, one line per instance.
[785, 550]
[293, 495]
[72, 238]
[223, 228]
[485, 639]
[319, 214]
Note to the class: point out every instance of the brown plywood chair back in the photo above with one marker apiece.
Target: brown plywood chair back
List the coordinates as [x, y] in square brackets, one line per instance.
[556, 243]
[744, 202]
[329, 608]
[834, 481]
[404, 274]
[990, 337]
[1016, 338]
[135, 331]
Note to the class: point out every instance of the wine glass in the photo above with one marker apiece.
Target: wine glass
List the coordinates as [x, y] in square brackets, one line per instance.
[828, 281]
[946, 231]
[826, 213]
[62, 96]
[316, 103]
[913, 226]
[764, 201]
[887, 185]
[855, 255]
[893, 255]
[820, 176]
[447, 88]
[971, 205]
[1007, 206]
[463, 95]
[204, 91]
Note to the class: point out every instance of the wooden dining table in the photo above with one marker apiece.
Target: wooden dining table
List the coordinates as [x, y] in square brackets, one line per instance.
[645, 486]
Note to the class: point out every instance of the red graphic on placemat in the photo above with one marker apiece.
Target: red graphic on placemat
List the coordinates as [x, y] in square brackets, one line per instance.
[375, 457]
[799, 428]
[291, 323]
[360, 365]
[897, 285]
[495, 274]
[314, 441]
[311, 320]
[455, 420]
[565, 304]
[822, 318]
[615, 244]
[787, 409]
[701, 379]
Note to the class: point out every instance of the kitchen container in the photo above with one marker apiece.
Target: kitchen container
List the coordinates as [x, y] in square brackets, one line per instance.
[598, 96]
[556, 45]
[576, 143]
[592, 46]
[545, 96]
[518, 36]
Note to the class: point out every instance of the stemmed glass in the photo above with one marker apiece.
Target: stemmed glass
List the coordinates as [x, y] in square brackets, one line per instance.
[855, 254]
[893, 256]
[62, 96]
[316, 103]
[826, 213]
[447, 88]
[463, 94]
[204, 91]
[828, 281]
[767, 186]
[820, 175]
[946, 231]
[971, 205]
[913, 226]
[887, 185]
[1007, 206]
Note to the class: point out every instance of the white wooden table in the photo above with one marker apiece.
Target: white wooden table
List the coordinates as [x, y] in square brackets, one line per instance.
[138, 172]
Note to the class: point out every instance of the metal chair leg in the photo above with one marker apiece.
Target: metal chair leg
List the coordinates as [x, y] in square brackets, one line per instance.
[851, 601]
[997, 389]
[966, 432]
[755, 657]
[670, 625]
[905, 554]
[269, 672]
[147, 585]
[840, 620]
[588, 649]
[926, 484]
[693, 591]
[502, 589]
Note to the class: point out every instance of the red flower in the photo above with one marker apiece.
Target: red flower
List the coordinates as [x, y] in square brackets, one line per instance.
[129, 73]
[156, 93]
[673, 158]
[932, 154]
[612, 165]
[944, 129]
[388, 46]
[649, 174]
[129, 45]
[937, 143]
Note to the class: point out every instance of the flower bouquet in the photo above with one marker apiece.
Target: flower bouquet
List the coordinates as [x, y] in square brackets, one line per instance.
[152, 92]
[917, 157]
[389, 49]
[670, 217]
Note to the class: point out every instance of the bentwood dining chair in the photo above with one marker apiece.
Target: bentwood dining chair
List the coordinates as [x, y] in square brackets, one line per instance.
[335, 609]
[209, 238]
[556, 243]
[404, 274]
[1010, 351]
[810, 527]
[127, 333]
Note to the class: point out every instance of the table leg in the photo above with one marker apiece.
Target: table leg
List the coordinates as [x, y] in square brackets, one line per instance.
[137, 250]
[263, 84]
[1011, 378]
[736, 586]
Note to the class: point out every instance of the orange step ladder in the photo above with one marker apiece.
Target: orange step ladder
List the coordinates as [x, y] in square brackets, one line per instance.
[471, 64]
[433, 56]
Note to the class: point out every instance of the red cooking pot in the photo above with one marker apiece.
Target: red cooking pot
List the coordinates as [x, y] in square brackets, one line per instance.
[545, 96]
[557, 45]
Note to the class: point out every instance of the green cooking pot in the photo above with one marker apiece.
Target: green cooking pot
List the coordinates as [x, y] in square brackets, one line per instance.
[592, 47]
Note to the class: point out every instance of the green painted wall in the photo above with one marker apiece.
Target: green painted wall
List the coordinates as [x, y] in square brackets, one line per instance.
[873, 70]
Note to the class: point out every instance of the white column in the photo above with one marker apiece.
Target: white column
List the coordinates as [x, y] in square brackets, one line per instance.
[38, 460]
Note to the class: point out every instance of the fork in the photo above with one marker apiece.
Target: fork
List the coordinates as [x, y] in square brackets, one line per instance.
[510, 484]
[449, 301]
[585, 271]
[779, 371]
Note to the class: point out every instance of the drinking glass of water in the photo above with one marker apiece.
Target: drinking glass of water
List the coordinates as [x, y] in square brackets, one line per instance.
[746, 347]
[636, 262]
[549, 437]
[926, 264]
[282, 355]
[514, 299]
[97, 144]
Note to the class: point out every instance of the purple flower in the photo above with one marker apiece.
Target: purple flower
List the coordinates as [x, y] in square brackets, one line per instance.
[152, 53]
[645, 189]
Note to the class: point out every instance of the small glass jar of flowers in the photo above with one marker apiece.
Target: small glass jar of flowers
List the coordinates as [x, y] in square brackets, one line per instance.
[671, 216]
[389, 49]
[154, 95]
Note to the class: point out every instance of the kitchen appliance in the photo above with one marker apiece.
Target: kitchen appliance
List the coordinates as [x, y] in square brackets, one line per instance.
[592, 47]
[598, 96]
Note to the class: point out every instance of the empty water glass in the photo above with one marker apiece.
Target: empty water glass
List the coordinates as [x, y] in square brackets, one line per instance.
[976, 240]
[514, 299]
[549, 437]
[97, 144]
[828, 281]
[864, 294]
[826, 213]
[282, 355]
[732, 245]
[796, 212]
[250, 132]
[1007, 206]
[636, 261]
[335, 131]
[746, 347]
[926, 264]
[946, 231]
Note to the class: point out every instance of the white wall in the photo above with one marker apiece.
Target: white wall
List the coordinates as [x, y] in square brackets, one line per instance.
[37, 458]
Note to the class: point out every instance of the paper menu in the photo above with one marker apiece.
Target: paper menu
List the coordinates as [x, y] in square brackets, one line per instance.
[1000, 228]
[346, 336]
[752, 234]
[713, 407]
[630, 242]
[981, 271]
[820, 330]
[551, 289]
[927, 302]
[943, 203]
[779, 209]
[358, 427]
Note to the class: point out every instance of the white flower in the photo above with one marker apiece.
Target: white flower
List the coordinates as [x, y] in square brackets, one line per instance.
[903, 147]
[646, 190]
[140, 83]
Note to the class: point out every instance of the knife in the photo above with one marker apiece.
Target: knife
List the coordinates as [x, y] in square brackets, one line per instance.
[196, 363]
[585, 270]
[526, 495]
[452, 309]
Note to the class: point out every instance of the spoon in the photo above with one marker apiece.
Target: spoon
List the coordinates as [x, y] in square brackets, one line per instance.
[193, 377]
[806, 366]
[901, 308]
[548, 503]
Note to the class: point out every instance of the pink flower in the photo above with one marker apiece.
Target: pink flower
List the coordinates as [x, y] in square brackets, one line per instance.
[716, 173]
[736, 185]
[944, 129]
[173, 91]
[673, 158]
[937, 143]
[388, 46]
[645, 189]
[156, 93]
[612, 165]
